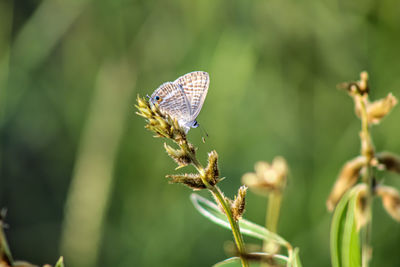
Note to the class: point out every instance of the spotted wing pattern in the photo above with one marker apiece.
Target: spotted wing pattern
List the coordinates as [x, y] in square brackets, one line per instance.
[195, 86]
[171, 100]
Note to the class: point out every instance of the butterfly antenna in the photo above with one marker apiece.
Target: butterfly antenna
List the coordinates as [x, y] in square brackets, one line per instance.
[205, 132]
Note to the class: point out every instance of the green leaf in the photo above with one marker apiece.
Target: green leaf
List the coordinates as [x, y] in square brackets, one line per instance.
[345, 241]
[351, 241]
[337, 231]
[213, 213]
[5, 253]
[60, 262]
[280, 260]
[295, 259]
[231, 262]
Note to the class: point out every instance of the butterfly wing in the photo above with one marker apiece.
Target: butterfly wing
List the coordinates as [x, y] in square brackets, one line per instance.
[195, 86]
[172, 101]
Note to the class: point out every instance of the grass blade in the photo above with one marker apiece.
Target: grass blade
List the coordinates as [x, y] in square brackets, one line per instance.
[274, 260]
[213, 213]
[345, 243]
[60, 262]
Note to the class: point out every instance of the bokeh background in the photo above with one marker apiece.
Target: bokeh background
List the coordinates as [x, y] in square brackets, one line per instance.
[82, 178]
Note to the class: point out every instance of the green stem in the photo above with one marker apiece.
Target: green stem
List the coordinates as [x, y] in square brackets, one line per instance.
[234, 225]
[223, 203]
[274, 206]
[272, 217]
[366, 231]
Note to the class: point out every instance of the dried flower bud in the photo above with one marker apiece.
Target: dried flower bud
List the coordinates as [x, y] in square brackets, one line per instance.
[363, 83]
[390, 200]
[179, 155]
[367, 147]
[190, 180]
[390, 161]
[350, 87]
[238, 205]
[348, 176]
[357, 88]
[380, 108]
[267, 177]
[211, 171]
[362, 214]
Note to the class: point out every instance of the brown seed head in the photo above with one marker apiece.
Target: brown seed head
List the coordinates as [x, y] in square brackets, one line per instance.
[362, 214]
[162, 124]
[238, 205]
[358, 87]
[180, 156]
[390, 161]
[363, 83]
[390, 200]
[347, 177]
[267, 177]
[212, 171]
[191, 180]
[377, 110]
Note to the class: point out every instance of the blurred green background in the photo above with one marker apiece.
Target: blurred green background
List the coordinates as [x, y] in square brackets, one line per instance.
[82, 178]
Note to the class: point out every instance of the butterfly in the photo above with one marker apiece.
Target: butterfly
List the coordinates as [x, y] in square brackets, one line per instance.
[183, 98]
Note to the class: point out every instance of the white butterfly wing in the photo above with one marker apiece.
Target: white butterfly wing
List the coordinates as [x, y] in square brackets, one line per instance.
[172, 100]
[195, 86]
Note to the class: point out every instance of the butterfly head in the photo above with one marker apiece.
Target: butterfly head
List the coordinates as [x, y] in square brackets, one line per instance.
[195, 124]
[156, 99]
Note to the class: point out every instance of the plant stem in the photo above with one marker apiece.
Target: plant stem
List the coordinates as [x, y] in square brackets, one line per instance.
[367, 150]
[223, 203]
[272, 216]
[271, 221]
[367, 229]
[274, 206]
[234, 224]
